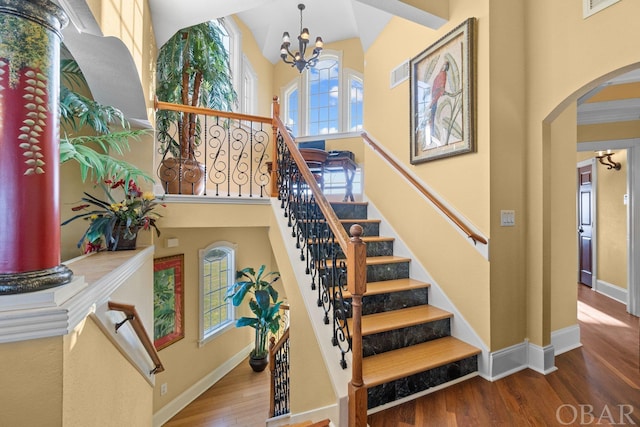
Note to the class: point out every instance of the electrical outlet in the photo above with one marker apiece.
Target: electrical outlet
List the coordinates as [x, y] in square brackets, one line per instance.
[163, 389]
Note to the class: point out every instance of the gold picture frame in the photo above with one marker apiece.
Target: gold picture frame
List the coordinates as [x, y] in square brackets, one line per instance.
[442, 81]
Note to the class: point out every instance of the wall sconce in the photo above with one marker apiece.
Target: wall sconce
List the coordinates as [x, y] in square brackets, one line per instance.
[605, 159]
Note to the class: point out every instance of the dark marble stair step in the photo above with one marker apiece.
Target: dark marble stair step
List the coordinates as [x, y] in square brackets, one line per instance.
[376, 245]
[350, 210]
[370, 227]
[393, 365]
[384, 268]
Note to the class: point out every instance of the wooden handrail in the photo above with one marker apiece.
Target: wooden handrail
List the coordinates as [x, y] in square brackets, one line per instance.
[161, 105]
[132, 315]
[330, 216]
[457, 221]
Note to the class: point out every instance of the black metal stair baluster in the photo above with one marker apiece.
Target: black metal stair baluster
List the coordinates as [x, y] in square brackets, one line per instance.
[341, 334]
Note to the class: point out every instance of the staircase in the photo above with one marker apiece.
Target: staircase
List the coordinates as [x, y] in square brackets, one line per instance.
[407, 343]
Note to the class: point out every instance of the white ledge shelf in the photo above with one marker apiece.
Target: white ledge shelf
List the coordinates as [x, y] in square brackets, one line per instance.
[57, 311]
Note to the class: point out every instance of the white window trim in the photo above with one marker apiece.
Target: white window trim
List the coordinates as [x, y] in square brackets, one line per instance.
[350, 75]
[284, 96]
[231, 248]
[235, 54]
[248, 71]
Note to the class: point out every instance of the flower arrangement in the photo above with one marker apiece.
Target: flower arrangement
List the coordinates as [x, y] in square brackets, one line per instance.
[132, 213]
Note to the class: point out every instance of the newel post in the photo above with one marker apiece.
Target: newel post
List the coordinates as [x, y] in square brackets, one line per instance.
[30, 34]
[275, 112]
[357, 286]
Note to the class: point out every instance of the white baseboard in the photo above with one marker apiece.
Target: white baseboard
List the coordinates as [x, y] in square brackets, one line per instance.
[510, 360]
[507, 361]
[189, 395]
[566, 339]
[612, 291]
[541, 359]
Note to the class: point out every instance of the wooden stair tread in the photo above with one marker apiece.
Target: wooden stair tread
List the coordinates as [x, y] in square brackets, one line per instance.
[402, 318]
[349, 203]
[388, 286]
[392, 365]
[346, 220]
[322, 423]
[362, 220]
[377, 260]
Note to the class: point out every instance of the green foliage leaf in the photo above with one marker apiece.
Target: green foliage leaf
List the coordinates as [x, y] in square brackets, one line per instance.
[92, 152]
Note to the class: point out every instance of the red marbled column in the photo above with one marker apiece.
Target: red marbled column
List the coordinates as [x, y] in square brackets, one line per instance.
[29, 146]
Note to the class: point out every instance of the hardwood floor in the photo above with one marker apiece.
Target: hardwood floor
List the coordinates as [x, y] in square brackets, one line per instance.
[240, 399]
[597, 384]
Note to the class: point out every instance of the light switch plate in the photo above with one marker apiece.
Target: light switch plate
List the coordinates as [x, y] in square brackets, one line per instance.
[507, 218]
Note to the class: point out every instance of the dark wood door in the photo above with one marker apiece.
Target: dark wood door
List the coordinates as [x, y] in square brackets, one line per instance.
[585, 225]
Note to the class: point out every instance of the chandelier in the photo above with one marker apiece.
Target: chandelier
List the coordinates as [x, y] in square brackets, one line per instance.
[298, 59]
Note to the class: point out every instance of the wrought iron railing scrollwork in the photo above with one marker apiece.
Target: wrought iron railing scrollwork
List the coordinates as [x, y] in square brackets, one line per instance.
[279, 368]
[320, 238]
[228, 156]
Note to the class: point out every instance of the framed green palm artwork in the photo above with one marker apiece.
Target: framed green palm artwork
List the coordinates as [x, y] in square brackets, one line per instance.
[168, 300]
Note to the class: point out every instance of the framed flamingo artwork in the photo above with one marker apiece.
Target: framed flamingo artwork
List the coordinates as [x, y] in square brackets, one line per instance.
[442, 81]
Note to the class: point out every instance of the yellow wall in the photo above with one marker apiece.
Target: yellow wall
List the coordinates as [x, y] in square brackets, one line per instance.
[185, 362]
[98, 379]
[31, 377]
[566, 56]
[462, 181]
[609, 131]
[564, 252]
[612, 222]
[262, 67]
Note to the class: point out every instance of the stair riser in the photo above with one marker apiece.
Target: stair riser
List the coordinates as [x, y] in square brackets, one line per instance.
[380, 272]
[404, 387]
[405, 337]
[350, 211]
[368, 228]
[384, 248]
[392, 301]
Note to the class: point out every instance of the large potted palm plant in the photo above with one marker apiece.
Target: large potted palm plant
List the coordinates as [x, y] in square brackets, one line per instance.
[193, 70]
[264, 306]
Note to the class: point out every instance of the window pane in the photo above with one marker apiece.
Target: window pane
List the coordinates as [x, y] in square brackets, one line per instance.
[355, 105]
[217, 277]
[323, 97]
[292, 112]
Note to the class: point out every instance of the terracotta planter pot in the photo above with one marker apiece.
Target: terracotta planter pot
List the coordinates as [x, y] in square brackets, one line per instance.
[182, 176]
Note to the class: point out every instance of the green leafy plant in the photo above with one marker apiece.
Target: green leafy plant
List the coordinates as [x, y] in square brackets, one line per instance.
[133, 212]
[263, 304]
[92, 152]
[193, 70]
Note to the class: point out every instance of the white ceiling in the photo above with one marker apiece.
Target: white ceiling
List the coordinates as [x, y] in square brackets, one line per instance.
[333, 20]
